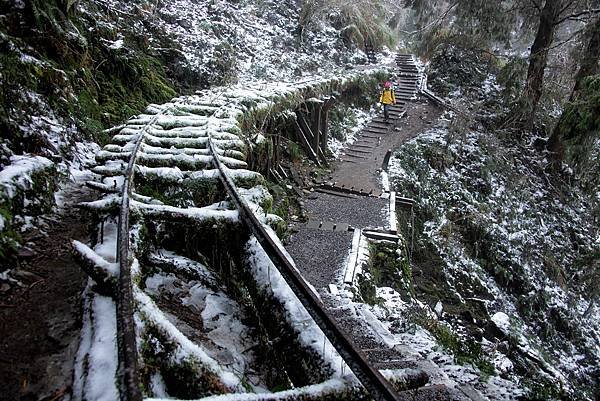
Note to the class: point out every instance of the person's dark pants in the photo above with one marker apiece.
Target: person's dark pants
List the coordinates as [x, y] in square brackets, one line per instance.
[386, 111]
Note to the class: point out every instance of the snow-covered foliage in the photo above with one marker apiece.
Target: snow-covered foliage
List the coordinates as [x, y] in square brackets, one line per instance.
[345, 127]
[27, 184]
[508, 252]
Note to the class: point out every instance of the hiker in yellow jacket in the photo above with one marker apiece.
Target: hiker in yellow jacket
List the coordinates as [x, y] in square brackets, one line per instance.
[387, 98]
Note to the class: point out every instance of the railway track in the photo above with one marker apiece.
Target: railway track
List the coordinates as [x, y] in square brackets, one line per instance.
[175, 185]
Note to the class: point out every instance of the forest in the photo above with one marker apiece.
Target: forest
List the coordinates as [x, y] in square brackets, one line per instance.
[209, 199]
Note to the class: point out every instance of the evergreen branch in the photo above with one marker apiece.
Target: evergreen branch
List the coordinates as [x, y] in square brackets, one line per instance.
[436, 21]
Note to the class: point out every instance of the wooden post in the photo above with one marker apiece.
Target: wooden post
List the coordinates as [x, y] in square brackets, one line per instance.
[313, 107]
[324, 120]
[303, 133]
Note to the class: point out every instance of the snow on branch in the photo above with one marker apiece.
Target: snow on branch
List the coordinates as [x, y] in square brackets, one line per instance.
[106, 188]
[191, 269]
[109, 203]
[332, 389]
[17, 175]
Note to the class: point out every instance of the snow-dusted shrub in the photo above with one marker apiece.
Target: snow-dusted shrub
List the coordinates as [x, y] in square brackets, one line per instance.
[28, 184]
[503, 239]
[455, 68]
[362, 23]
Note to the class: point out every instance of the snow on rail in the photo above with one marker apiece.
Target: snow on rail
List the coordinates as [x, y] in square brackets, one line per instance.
[169, 142]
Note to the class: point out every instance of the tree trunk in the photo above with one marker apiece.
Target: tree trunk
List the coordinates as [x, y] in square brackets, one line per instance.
[588, 66]
[589, 60]
[537, 61]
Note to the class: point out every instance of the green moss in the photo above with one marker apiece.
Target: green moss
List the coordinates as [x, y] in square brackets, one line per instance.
[121, 88]
[465, 351]
[79, 76]
[9, 238]
[389, 269]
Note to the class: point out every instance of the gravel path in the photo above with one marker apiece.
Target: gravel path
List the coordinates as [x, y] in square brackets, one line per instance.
[360, 211]
[320, 255]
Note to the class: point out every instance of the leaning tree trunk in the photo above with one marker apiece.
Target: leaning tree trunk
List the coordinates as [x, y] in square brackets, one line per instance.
[588, 66]
[537, 62]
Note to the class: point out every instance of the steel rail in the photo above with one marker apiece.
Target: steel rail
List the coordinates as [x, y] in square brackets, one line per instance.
[128, 380]
[379, 388]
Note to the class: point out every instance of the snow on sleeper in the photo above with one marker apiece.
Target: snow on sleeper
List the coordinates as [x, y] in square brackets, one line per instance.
[214, 318]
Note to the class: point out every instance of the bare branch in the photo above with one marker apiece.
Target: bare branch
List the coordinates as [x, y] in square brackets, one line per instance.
[589, 13]
[566, 7]
[536, 5]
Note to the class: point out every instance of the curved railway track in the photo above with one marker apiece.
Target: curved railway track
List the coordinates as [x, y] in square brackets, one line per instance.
[190, 140]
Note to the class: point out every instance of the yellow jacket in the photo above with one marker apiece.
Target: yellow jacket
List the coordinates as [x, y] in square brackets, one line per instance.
[387, 96]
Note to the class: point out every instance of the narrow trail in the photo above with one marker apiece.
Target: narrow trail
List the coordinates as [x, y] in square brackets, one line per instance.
[354, 199]
[41, 319]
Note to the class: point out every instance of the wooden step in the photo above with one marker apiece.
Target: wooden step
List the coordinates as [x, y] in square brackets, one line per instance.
[357, 145]
[356, 156]
[360, 151]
